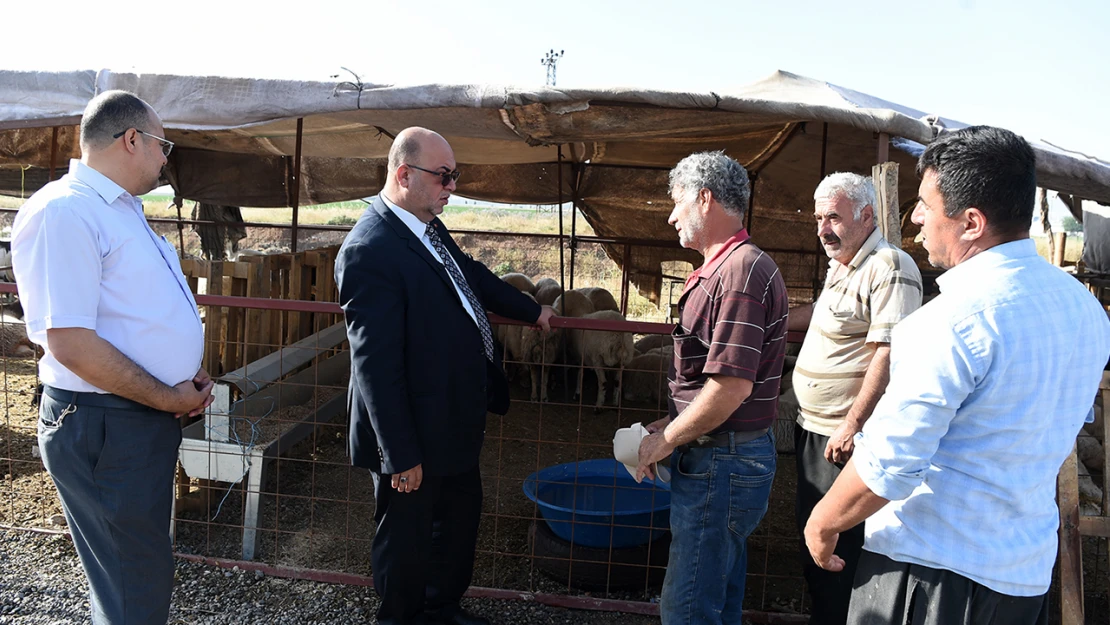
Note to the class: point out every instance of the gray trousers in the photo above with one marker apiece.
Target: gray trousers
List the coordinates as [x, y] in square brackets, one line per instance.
[113, 462]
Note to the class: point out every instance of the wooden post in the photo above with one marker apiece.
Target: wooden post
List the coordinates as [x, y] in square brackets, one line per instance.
[213, 321]
[1060, 242]
[885, 178]
[295, 185]
[235, 347]
[1071, 543]
[254, 330]
[884, 148]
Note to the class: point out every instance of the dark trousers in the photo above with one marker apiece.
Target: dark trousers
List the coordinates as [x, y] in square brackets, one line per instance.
[830, 592]
[113, 462]
[895, 593]
[423, 553]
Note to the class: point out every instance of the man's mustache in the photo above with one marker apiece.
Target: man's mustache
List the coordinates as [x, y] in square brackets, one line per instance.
[829, 239]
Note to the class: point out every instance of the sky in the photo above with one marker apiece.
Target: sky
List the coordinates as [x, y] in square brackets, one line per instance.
[1039, 68]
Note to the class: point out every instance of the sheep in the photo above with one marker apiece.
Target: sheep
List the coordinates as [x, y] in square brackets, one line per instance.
[1095, 428]
[242, 254]
[547, 291]
[652, 341]
[539, 350]
[13, 338]
[1090, 452]
[645, 377]
[522, 282]
[573, 304]
[599, 297]
[510, 335]
[599, 350]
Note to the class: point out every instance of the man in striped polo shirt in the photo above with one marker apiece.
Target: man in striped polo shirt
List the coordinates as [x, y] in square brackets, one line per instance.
[724, 383]
[844, 364]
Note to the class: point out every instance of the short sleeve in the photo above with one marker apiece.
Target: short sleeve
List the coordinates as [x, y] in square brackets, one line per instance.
[57, 261]
[895, 292]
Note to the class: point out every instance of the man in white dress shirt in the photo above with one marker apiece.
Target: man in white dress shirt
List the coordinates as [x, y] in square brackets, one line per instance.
[105, 298]
[955, 472]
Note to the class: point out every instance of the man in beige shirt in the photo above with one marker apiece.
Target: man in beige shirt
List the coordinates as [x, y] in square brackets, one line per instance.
[843, 367]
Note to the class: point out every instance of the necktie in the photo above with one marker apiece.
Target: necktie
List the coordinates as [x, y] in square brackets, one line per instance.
[460, 281]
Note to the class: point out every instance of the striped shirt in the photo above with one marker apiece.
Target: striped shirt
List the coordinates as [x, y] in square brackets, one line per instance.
[989, 384]
[732, 321]
[881, 287]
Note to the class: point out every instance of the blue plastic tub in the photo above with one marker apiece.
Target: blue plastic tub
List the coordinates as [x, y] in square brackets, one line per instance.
[596, 503]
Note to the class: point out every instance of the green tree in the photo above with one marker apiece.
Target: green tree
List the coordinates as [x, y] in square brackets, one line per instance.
[1070, 224]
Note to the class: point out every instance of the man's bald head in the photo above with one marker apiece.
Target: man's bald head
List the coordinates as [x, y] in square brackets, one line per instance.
[408, 145]
[112, 112]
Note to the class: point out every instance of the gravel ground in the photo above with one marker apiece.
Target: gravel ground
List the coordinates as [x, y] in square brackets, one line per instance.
[41, 582]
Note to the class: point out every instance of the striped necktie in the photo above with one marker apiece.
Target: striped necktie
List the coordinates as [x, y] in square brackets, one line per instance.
[464, 286]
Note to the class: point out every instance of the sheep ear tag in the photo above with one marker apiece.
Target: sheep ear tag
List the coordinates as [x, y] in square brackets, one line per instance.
[626, 449]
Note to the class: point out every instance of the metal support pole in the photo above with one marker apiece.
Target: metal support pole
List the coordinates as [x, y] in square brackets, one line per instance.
[562, 243]
[295, 183]
[577, 168]
[53, 153]
[178, 201]
[627, 261]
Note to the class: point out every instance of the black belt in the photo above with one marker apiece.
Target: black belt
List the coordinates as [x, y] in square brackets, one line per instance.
[95, 400]
[723, 439]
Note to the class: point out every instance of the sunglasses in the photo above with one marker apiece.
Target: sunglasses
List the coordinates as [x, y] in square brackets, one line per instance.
[445, 177]
[167, 146]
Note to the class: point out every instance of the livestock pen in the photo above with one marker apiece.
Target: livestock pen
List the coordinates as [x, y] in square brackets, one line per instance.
[307, 513]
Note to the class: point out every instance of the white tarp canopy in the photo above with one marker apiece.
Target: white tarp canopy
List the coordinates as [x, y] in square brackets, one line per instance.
[236, 138]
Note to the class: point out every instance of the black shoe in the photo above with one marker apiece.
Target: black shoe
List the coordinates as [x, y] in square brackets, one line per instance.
[457, 616]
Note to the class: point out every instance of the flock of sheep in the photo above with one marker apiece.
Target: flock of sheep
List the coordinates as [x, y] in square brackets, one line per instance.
[602, 351]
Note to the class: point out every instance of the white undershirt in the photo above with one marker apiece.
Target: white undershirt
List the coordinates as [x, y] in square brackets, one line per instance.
[419, 229]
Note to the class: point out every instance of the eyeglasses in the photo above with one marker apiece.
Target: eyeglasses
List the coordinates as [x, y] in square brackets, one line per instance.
[167, 146]
[445, 177]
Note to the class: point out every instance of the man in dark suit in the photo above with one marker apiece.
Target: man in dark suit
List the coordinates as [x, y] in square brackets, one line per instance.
[424, 371]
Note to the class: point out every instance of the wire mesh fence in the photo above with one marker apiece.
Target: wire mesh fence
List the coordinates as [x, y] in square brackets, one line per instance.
[265, 475]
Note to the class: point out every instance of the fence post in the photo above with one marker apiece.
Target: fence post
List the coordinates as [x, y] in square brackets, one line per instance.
[1071, 543]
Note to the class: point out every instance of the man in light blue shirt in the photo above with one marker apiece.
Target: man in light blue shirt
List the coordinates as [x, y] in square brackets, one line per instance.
[105, 297]
[955, 473]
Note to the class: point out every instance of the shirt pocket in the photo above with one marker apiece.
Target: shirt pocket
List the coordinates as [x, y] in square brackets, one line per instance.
[687, 348]
[842, 323]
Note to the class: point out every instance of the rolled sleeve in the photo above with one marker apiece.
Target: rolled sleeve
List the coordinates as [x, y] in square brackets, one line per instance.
[930, 379]
[737, 337]
[58, 264]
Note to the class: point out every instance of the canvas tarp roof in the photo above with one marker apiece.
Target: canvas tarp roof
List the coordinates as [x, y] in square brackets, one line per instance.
[235, 137]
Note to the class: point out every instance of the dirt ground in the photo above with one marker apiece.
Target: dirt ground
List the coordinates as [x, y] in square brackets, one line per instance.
[317, 512]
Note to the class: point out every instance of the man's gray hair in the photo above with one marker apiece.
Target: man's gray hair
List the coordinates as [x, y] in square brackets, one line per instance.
[726, 179]
[854, 188]
[113, 112]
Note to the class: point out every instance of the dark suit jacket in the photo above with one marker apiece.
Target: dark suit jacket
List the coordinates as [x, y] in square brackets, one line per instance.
[420, 381]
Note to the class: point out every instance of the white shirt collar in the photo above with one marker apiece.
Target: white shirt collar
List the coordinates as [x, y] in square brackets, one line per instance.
[103, 185]
[418, 227]
[970, 270]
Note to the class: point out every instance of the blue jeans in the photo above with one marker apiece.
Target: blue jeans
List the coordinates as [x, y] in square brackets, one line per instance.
[718, 497]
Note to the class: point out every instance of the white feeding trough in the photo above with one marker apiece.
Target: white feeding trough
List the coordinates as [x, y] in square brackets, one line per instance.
[237, 441]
